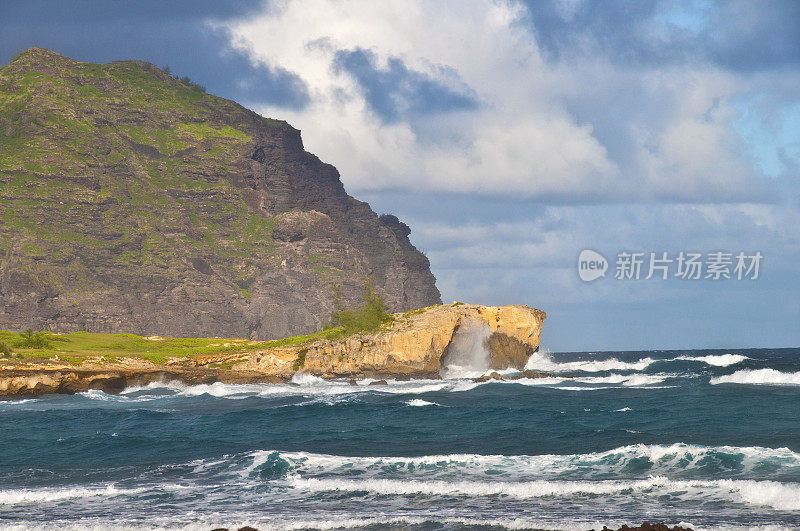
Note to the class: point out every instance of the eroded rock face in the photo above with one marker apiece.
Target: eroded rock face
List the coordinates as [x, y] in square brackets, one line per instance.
[418, 344]
[36, 381]
[163, 210]
[415, 345]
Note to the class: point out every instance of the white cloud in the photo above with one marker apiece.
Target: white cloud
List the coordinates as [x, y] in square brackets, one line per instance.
[534, 260]
[594, 153]
[522, 140]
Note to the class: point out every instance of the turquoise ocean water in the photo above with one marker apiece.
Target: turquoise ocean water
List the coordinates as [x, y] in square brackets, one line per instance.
[708, 438]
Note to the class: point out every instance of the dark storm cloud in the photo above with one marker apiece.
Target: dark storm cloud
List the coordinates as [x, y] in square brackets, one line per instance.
[740, 36]
[397, 92]
[163, 33]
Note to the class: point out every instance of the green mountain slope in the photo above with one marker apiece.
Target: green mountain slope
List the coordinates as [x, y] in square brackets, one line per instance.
[130, 201]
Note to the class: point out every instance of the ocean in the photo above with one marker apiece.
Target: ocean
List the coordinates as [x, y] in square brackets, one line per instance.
[709, 439]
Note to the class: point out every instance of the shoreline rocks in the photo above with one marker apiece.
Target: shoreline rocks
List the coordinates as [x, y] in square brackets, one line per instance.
[648, 527]
[37, 381]
[524, 374]
[415, 345]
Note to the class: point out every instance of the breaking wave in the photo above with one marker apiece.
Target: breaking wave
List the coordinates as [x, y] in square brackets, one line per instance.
[785, 497]
[543, 361]
[677, 461]
[33, 496]
[718, 360]
[712, 474]
[416, 402]
[759, 377]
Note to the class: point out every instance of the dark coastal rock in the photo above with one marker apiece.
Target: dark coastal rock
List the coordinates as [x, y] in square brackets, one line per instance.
[649, 527]
[353, 382]
[177, 213]
[37, 381]
[523, 374]
[487, 377]
[538, 374]
[379, 382]
[509, 352]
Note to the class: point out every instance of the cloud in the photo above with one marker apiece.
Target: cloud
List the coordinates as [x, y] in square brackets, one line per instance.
[395, 91]
[484, 98]
[533, 260]
[164, 33]
[736, 35]
[512, 134]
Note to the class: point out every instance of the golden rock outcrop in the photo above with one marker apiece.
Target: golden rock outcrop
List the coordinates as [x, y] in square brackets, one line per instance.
[415, 345]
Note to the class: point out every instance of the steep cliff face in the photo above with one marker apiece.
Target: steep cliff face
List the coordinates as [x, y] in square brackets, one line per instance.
[130, 201]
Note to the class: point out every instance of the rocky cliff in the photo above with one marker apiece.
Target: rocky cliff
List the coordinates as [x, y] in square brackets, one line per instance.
[433, 342]
[131, 201]
[418, 344]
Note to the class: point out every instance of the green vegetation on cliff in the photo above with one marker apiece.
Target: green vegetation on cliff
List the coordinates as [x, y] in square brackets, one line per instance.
[138, 149]
[133, 201]
[76, 347]
[367, 318]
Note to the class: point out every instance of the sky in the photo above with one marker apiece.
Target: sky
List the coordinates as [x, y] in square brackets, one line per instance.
[512, 135]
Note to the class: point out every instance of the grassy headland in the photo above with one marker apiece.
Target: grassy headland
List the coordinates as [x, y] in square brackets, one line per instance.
[78, 347]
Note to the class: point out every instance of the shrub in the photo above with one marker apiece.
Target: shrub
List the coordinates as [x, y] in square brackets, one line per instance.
[301, 359]
[5, 350]
[367, 318]
[189, 83]
[31, 339]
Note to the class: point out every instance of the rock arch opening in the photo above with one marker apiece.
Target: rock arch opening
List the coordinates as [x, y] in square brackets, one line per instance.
[468, 354]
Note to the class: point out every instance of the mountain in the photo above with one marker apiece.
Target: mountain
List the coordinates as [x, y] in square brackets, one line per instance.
[131, 201]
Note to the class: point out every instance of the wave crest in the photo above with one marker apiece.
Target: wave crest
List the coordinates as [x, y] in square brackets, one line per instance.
[541, 361]
[759, 377]
[674, 461]
[717, 360]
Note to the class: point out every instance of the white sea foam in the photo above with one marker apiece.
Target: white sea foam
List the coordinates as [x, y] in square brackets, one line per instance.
[307, 385]
[522, 489]
[627, 380]
[284, 523]
[718, 360]
[622, 410]
[417, 402]
[458, 372]
[542, 361]
[222, 390]
[663, 460]
[173, 385]
[537, 381]
[96, 394]
[24, 496]
[287, 523]
[781, 496]
[303, 378]
[759, 376]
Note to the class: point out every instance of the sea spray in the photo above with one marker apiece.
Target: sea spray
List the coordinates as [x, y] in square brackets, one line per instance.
[468, 353]
[759, 377]
[543, 361]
